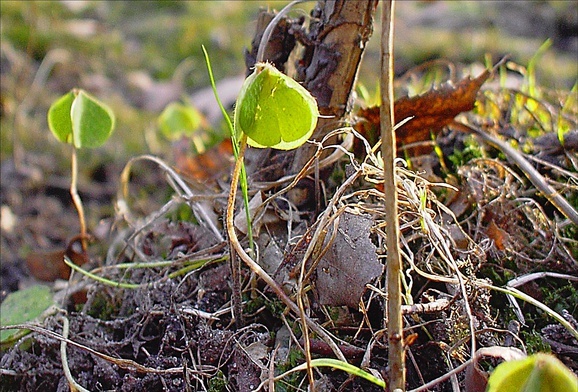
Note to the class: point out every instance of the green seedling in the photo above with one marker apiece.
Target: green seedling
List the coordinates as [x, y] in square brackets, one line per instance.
[20, 307]
[530, 81]
[78, 119]
[274, 110]
[570, 106]
[182, 120]
[540, 373]
[179, 120]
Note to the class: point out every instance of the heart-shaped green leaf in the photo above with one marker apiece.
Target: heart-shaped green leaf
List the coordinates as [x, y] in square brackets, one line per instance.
[92, 121]
[179, 120]
[22, 306]
[59, 120]
[80, 119]
[274, 110]
[539, 373]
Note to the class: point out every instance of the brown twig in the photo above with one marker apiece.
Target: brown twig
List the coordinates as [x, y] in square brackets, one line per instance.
[396, 355]
[256, 268]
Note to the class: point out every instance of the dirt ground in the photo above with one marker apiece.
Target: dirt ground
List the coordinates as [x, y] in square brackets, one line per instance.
[171, 328]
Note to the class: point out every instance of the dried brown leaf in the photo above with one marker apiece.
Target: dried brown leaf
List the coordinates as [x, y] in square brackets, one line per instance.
[205, 167]
[500, 236]
[431, 111]
[49, 265]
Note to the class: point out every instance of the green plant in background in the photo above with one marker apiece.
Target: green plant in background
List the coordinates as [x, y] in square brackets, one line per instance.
[570, 104]
[20, 307]
[182, 120]
[179, 120]
[78, 119]
[530, 85]
[218, 383]
[536, 373]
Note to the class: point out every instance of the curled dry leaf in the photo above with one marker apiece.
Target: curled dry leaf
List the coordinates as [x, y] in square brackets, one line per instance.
[49, 266]
[206, 167]
[349, 264]
[477, 379]
[431, 111]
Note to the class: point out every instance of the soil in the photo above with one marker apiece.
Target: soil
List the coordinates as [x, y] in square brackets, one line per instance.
[177, 325]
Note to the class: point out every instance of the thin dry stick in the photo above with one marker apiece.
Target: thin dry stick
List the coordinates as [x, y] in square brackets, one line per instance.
[394, 317]
[256, 268]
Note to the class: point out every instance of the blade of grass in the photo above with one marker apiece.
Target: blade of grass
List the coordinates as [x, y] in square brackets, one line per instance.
[236, 145]
[336, 364]
[239, 171]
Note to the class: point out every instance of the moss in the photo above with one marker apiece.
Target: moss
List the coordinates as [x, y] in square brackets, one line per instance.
[534, 342]
[291, 382]
[217, 383]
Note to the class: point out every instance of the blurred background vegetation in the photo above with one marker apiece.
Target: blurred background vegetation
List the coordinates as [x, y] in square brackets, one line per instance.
[136, 56]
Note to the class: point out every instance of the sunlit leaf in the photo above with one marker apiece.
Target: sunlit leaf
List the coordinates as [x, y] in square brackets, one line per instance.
[59, 120]
[274, 110]
[92, 121]
[81, 120]
[540, 373]
[179, 120]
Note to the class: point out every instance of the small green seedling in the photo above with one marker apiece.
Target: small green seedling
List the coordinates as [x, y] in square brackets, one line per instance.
[562, 126]
[179, 120]
[537, 373]
[183, 121]
[79, 119]
[22, 306]
[274, 110]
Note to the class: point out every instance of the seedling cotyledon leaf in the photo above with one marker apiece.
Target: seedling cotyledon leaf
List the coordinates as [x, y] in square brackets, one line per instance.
[179, 120]
[539, 372]
[274, 110]
[81, 120]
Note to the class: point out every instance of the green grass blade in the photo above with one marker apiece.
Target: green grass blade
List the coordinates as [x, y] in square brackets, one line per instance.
[235, 142]
[337, 364]
[100, 279]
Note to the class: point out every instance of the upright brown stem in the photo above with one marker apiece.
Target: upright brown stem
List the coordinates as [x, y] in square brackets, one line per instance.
[388, 149]
[330, 64]
[77, 201]
[236, 297]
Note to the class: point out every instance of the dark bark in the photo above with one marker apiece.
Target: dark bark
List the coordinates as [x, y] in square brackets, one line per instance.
[331, 62]
[328, 65]
[281, 43]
